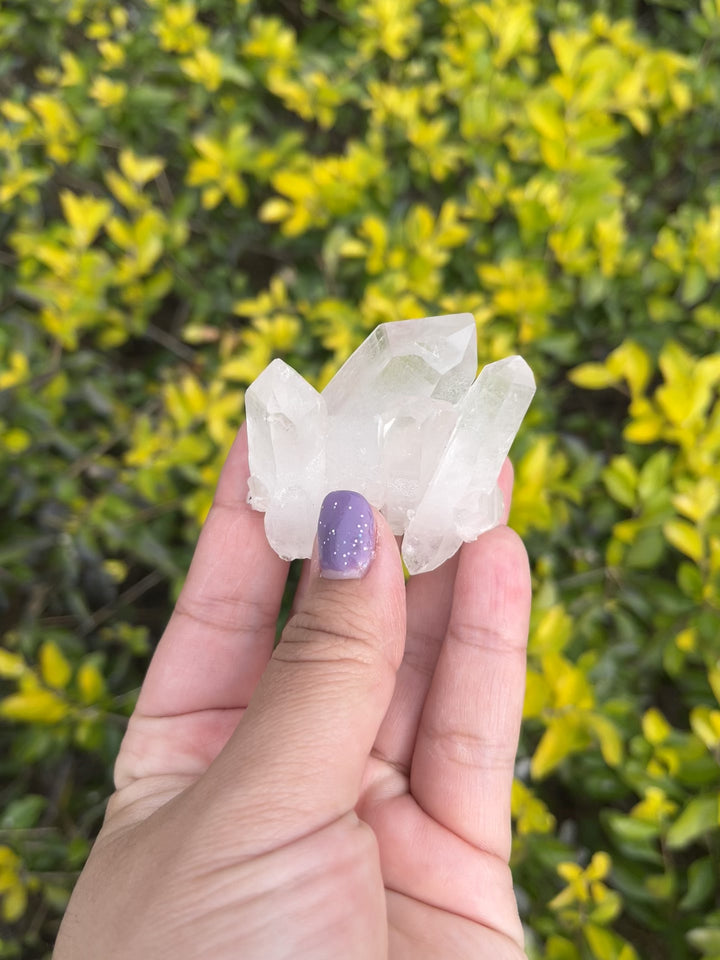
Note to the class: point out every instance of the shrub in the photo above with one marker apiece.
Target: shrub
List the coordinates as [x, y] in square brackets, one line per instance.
[189, 188]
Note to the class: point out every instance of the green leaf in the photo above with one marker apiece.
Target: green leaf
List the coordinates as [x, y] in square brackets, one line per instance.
[620, 479]
[706, 940]
[699, 817]
[23, 813]
[602, 942]
[695, 284]
[701, 882]
[690, 581]
[646, 551]
[631, 830]
[654, 474]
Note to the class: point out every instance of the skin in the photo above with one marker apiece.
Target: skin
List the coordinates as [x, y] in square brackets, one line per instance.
[347, 795]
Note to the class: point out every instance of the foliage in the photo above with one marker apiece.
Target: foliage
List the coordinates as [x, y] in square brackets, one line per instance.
[189, 188]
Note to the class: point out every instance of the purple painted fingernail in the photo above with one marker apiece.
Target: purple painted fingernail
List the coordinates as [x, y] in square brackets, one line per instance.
[346, 536]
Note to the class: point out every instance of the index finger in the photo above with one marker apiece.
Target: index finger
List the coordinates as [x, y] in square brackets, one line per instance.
[221, 633]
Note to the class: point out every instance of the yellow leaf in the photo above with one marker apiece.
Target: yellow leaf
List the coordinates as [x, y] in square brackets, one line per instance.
[15, 112]
[686, 640]
[552, 632]
[194, 396]
[34, 706]
[120, 232]
[644, 429]
[544, 115]
[14, 903]
[714, 679]
[640, 120]
[631, 362]
[123, 191]
[567, 48]
[602, 942]
[685, 538]
[537, 695]
[140, 169]
[17, 440]
[593, 376]
[112, 53]
[85, 216]
[599, 866]
[610, 741]
[655, 727]
[54, 668]
[108, 93]
[73, 72]
[700, 501]
[705, 724]
[675, 362]
[90, 683]
[211, 197]
[561, 738]
[203, 67]
[12, 665]
[348, 248]
[274, 210]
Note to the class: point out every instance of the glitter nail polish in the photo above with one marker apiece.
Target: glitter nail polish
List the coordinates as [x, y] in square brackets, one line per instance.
[346, 536]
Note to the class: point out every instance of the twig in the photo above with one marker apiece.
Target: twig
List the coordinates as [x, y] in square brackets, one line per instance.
[171, 343]
[129, 596]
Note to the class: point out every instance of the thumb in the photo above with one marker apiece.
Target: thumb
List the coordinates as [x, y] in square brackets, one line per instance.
[309, 728]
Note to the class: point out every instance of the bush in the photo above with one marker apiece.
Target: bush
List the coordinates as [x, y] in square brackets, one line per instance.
[189, 188]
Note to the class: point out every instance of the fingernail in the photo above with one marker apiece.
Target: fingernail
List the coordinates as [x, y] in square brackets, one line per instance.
[346, 536]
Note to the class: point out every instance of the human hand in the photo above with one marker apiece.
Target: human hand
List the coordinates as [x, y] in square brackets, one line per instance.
[345, 796]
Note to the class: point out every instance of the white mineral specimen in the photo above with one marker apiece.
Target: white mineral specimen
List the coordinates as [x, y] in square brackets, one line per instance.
[287, 430]
[397, 366]
[462, 499]
[401, 423]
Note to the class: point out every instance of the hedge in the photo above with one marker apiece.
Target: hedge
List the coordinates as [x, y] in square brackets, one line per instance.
[189, 188]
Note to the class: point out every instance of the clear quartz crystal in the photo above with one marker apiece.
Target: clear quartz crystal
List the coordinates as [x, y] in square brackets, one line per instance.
[401, 423]
[412, 438]
[399, 363]
[287, 428]
[461, 500]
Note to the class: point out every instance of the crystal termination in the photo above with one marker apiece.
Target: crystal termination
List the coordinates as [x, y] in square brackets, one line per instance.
[405, 423]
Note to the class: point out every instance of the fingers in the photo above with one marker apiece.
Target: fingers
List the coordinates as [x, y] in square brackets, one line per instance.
[429, 600]
[462, 767]
[221, 634]
[423, 860]
[299, 751]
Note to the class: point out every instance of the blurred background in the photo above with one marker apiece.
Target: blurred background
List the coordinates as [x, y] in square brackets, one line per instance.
[189, 188]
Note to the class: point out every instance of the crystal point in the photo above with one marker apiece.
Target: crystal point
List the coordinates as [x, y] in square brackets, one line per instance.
[409, 362]
[401, 423]
[287, 428]
[460, 501]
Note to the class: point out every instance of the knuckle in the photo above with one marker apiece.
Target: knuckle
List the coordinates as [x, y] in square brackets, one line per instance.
[210, 607]
[483, 639]
[470, 749]
[332, 631]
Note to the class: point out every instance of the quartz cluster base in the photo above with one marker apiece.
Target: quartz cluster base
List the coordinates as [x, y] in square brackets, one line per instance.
[405, 422]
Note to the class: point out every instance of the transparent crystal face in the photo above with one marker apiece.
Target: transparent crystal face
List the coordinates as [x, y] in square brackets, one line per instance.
[403, 422]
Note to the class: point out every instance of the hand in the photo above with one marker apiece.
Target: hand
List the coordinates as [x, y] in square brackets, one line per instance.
[347, 796]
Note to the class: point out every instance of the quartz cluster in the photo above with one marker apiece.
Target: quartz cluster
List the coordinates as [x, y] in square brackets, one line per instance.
[405, 423]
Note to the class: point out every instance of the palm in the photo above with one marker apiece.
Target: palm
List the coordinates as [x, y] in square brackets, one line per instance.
[435, 790]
